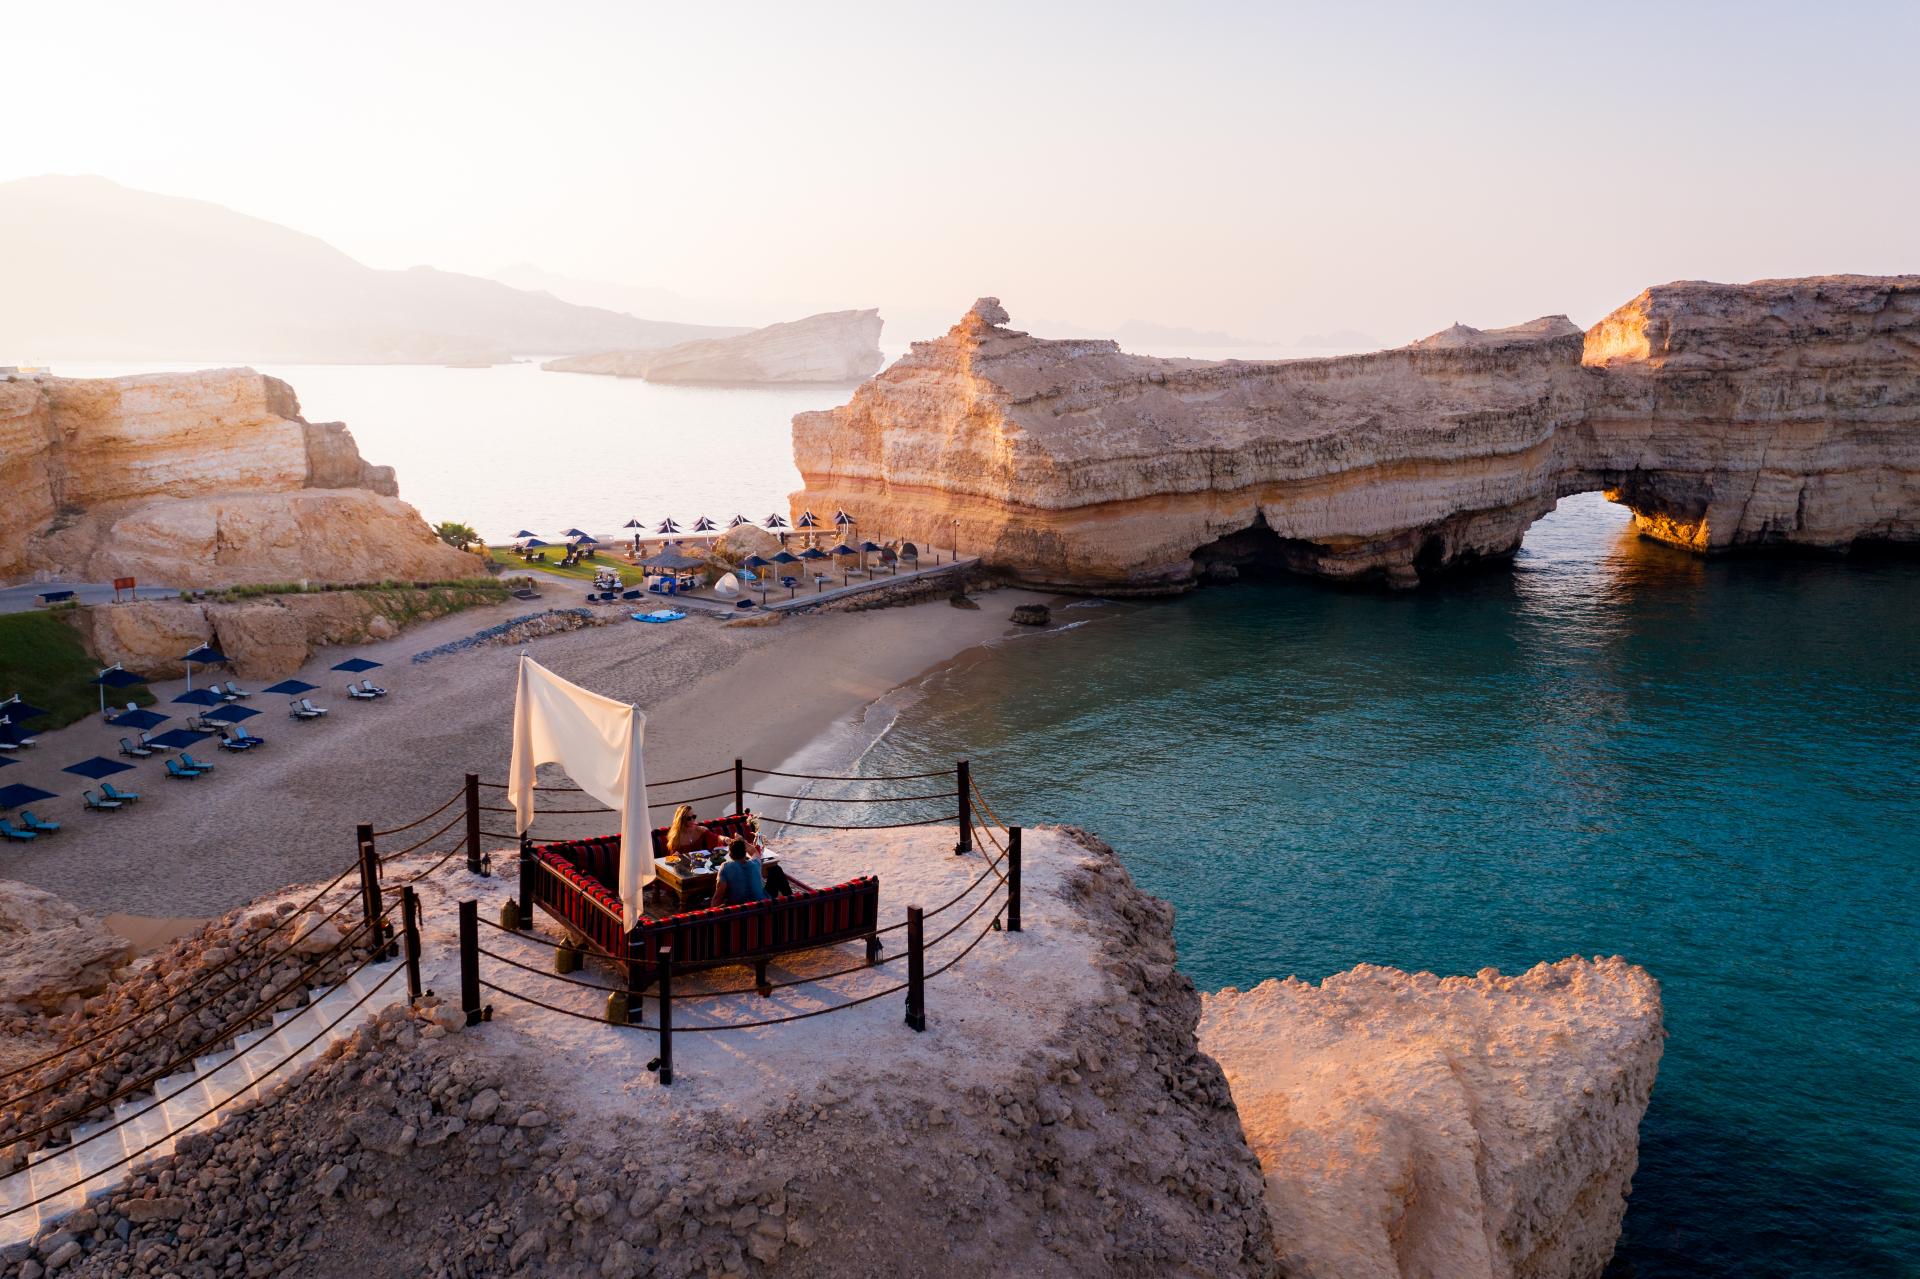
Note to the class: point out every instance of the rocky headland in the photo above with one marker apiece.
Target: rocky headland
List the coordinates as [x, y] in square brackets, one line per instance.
[1782, 413]
[207, 479]
[1075, 1109]
[837, 346]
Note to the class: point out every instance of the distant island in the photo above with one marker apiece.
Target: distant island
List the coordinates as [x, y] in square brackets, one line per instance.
[96, 270]
[838, 346]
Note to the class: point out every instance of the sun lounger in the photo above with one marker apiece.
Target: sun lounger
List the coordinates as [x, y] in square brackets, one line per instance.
[241, 735]
[296, 711]
[306, 704]
[128, 748]
[630, 595]
[354, 690]
[9, 746]
[234, 690]
[228, 742]
[188, 761]
[119, 796]
[174, 770]
[373, 688]
[95, 802]
[34, 824]
[24, 836]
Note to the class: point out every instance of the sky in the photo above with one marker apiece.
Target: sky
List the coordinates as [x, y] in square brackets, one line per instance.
[1272, 170]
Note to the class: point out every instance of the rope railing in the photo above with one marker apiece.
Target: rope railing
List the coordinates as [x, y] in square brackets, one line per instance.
[418, 821]
[422, 843]
[249, 1086]
[220, 1034]
[241, 952]
[566, 1012]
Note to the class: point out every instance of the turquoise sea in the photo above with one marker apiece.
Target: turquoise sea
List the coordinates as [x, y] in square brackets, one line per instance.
[1707, 767]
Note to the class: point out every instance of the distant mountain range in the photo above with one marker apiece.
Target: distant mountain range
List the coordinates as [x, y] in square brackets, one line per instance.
[95, 270]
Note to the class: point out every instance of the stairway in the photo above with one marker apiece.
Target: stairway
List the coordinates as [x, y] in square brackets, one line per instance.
[193, 1100]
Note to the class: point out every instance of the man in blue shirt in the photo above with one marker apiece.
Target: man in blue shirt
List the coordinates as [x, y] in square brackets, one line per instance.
[740, 878]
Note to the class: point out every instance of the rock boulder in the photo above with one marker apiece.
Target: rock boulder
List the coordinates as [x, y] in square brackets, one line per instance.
[51, 951]
[1478, 1127]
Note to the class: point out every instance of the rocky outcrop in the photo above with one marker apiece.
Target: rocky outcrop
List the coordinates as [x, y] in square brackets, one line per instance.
[267, 636]
[198, 480]
[1780, 413]
[1475, 1127]
[51, 952]
[838, 346]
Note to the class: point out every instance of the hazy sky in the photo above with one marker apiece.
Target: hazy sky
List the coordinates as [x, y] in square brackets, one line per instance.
[1271, 170]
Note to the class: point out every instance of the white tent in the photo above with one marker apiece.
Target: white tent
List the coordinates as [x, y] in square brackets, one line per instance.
[598, 741]
[727, 587]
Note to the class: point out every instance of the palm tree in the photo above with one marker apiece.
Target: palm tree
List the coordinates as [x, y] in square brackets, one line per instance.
[458, 536]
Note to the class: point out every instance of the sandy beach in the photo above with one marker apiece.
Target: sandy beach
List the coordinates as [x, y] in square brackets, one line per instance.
[285, 813]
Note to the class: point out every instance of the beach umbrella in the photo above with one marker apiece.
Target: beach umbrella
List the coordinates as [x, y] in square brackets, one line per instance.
[704, 525]
[633, 524]
[231, 714]
[14, 796]
[178, 739]
[737, 521]
[533, 544]
[15, 709]
[97, 767]
[756, 563]
[200, 697]
[526, 532]
[11, 734]
[291, 688]
[843, 549]
[637, 528]
[666, 527]
[203, 656]
[842, 519]
[6, 760]
[575, 532]
[354, 665]
[115, 676]
[867, 548]
[775, 521]
[138, 719]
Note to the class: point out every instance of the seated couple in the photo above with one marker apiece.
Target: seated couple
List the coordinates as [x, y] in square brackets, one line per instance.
[744, 877]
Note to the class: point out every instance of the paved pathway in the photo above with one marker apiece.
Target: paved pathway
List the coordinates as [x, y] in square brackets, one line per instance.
[21, 599]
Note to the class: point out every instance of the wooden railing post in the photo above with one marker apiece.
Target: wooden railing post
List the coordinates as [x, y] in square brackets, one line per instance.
[526, 882]
[410, 926]
[473, 823]
[377, 936]
[470, 961]
[740, 787]
[916, 968]
[666, 1014]
[963, 775]
[1013, 879]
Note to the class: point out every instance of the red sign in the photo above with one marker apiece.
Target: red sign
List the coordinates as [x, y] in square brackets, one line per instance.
[123, 583]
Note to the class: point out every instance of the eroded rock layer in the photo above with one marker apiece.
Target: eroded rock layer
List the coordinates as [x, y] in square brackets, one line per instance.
[197, 479]
[1779, 413]
[1480, 1127]
[837, 346]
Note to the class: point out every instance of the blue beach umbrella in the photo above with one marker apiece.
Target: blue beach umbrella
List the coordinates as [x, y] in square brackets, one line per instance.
[177, 739]
[575, 532]
[115, 676]
[526, 532]
[667, 527]
[97, 767]
[6, 760]
[737, 521]
[534, 544]
[231, 714]
[14, 796]
[203, 656]
[138, 719]
[200, 697]
[704, 525]
[15, 709]
[354, 665]
[291, 688]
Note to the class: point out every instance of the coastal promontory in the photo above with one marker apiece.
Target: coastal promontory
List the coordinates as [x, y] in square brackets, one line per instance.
[1782, 413]
[837, 346]
[206, 479]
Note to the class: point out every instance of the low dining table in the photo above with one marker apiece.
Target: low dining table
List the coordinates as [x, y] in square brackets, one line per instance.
[688, 882]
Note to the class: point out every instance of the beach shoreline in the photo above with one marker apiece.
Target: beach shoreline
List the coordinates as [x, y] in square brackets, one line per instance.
[286, 812]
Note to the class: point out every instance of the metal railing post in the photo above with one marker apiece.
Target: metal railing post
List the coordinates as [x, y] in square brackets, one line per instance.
[739, 787]
[916, 968]
[473, 823]
[963, 775]
[410, 926]
[470, 961]
[666, 1014]
[1013, 879]
[526, 882]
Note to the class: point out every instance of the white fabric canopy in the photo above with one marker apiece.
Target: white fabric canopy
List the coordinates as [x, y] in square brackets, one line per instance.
[598, 741]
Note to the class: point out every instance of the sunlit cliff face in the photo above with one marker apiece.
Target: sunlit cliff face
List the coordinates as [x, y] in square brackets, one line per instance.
[1624, 335]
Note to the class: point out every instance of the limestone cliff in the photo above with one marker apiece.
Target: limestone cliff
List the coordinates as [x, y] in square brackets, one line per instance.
[838, 346]
[194, 480]
[1774, 413]
[1479, 1127]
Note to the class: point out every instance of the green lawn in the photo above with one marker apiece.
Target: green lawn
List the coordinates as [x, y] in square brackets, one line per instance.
[630, 574]
[43, 659]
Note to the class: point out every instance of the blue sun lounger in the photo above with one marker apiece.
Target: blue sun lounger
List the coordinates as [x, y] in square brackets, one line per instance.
[34, 824]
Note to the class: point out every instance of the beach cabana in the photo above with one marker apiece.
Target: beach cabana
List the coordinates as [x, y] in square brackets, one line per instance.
[290, 688]
[138, 719]
[97, 767]
[205, 655]
[115, 676]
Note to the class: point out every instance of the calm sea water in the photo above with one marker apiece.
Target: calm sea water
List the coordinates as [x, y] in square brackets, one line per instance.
[1706, 767]
[512, 446]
